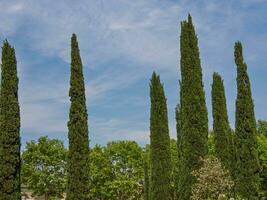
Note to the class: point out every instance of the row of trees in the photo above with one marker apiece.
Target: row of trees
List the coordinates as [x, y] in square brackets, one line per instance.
[120, 170]
[236, 150]
[78, 155]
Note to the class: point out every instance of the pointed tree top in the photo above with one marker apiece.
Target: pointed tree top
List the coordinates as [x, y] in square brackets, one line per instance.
[217, 76]
[74, 39]
[6, 44]
[190, 21]
[238, 51]
[155, 77]
[74, 36]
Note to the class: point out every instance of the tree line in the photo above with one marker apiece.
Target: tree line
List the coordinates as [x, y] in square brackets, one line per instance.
[234, 158]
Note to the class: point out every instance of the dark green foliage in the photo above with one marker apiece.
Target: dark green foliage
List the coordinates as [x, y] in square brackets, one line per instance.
[178, 123]
[221, 127]
[262, 127]
[262, 151]
[160, 154]
[194, 116]
[146, 179]
[78, 179]
[247, 174]
[178, 131]
[9, 126]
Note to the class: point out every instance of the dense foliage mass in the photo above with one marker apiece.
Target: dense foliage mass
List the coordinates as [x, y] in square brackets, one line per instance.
[160, 153]
[78, 177]
[247, 163]
[9, 126]
[44, 167]
[221, 128]
[105, 175]
[194, 116]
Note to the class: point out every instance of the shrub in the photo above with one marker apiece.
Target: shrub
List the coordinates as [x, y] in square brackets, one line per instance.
[212, 180]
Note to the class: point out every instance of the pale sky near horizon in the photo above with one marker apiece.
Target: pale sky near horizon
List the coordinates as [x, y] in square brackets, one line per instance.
[121, 43]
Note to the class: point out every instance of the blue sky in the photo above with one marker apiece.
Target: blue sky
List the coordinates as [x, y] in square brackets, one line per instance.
[122, 42]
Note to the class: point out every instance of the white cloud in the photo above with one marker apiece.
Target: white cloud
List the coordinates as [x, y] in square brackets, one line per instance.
[142, 34]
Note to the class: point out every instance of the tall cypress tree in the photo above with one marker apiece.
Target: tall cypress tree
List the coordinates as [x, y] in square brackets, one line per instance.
[160, 154]
[9, 127]
[247, 174]
[78, 179]
[194, 116]
[221, 127]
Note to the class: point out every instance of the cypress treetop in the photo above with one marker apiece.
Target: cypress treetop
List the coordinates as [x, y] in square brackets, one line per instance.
[9, 126]
[160, 152]
[247, 174]
[78, 160]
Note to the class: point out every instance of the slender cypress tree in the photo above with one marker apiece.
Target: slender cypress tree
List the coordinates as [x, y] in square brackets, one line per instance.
[247, 174]
[78, 179]
[194, 117]
[160, 154]
[9, 127]
[221, 127]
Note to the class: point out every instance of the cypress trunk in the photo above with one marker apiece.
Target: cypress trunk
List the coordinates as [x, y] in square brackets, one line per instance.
[247, 174]
[9, 126]
[160, 186]
[194, 116]
[78, 160]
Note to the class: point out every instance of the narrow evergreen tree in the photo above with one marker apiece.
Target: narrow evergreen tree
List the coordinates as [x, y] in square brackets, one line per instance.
[78, 177]
[9, 126]
[221, 127]
[160, 154]
[194, 115]
[247, 174]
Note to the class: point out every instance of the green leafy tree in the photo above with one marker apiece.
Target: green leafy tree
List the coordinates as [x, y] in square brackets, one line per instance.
[262, 151]
[212, 180]
[127, 169]
[44, 167]
[221, 127]
[116, 171]
[9, 126]
[262, 127]
[194, 116]
[247, 174]
[160, 153]
[78, 159]
[100, 173]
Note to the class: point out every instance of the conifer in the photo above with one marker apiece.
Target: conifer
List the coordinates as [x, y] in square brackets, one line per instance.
[247, 174]
[221, 127]
[9, 126]
[160, 152]
[78, 158]
[194, 116]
